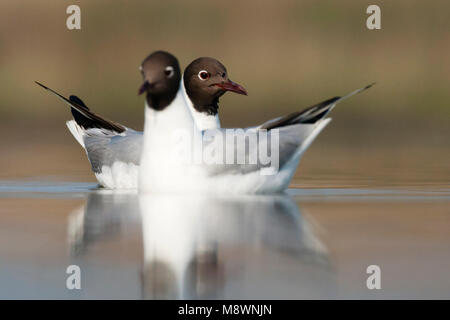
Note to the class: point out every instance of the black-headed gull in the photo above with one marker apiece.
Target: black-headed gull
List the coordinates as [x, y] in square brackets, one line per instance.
[113, 149]
[203, 100]
[167, 167]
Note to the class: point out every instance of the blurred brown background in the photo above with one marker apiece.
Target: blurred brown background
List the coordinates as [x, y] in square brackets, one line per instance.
[287, 54]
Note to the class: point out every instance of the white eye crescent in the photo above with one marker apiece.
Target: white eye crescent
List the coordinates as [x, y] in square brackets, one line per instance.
[140, 68]
[169, 72]
[203, 75]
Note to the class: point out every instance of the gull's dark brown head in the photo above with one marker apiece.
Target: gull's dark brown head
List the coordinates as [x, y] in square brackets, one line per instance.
[162, 76]
[206, 80]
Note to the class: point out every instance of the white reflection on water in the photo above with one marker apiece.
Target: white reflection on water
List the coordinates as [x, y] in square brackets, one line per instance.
[199, 247]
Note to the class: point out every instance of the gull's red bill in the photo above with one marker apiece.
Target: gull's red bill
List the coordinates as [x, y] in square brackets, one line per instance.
[145, 86]
[232, 86]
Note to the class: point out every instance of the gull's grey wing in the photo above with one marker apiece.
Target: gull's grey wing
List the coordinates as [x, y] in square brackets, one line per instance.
[104, 150]
[292, 140]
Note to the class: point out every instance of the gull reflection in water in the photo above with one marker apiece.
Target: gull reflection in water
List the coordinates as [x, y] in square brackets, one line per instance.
[206, 248]
[101, 218]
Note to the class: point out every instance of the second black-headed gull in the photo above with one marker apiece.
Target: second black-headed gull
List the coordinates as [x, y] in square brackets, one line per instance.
[205, 81]
[178, 156]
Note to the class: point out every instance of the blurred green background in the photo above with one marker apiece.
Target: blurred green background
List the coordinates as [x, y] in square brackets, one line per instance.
[287, 54]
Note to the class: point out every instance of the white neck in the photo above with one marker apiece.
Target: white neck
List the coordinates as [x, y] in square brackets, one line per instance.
[202, 120]
[175, 116]
[165, 132]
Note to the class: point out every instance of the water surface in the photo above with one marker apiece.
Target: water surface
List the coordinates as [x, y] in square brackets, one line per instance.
[308, 243]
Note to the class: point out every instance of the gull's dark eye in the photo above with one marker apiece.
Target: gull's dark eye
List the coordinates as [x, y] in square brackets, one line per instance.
[169, 71]
[223, 75]
[203, 75]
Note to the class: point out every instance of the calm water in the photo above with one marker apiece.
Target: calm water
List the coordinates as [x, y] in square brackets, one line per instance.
[309, 243]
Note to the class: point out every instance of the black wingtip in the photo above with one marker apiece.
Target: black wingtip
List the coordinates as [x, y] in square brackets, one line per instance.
[40, 84]
[78, 101]
[370, 85]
